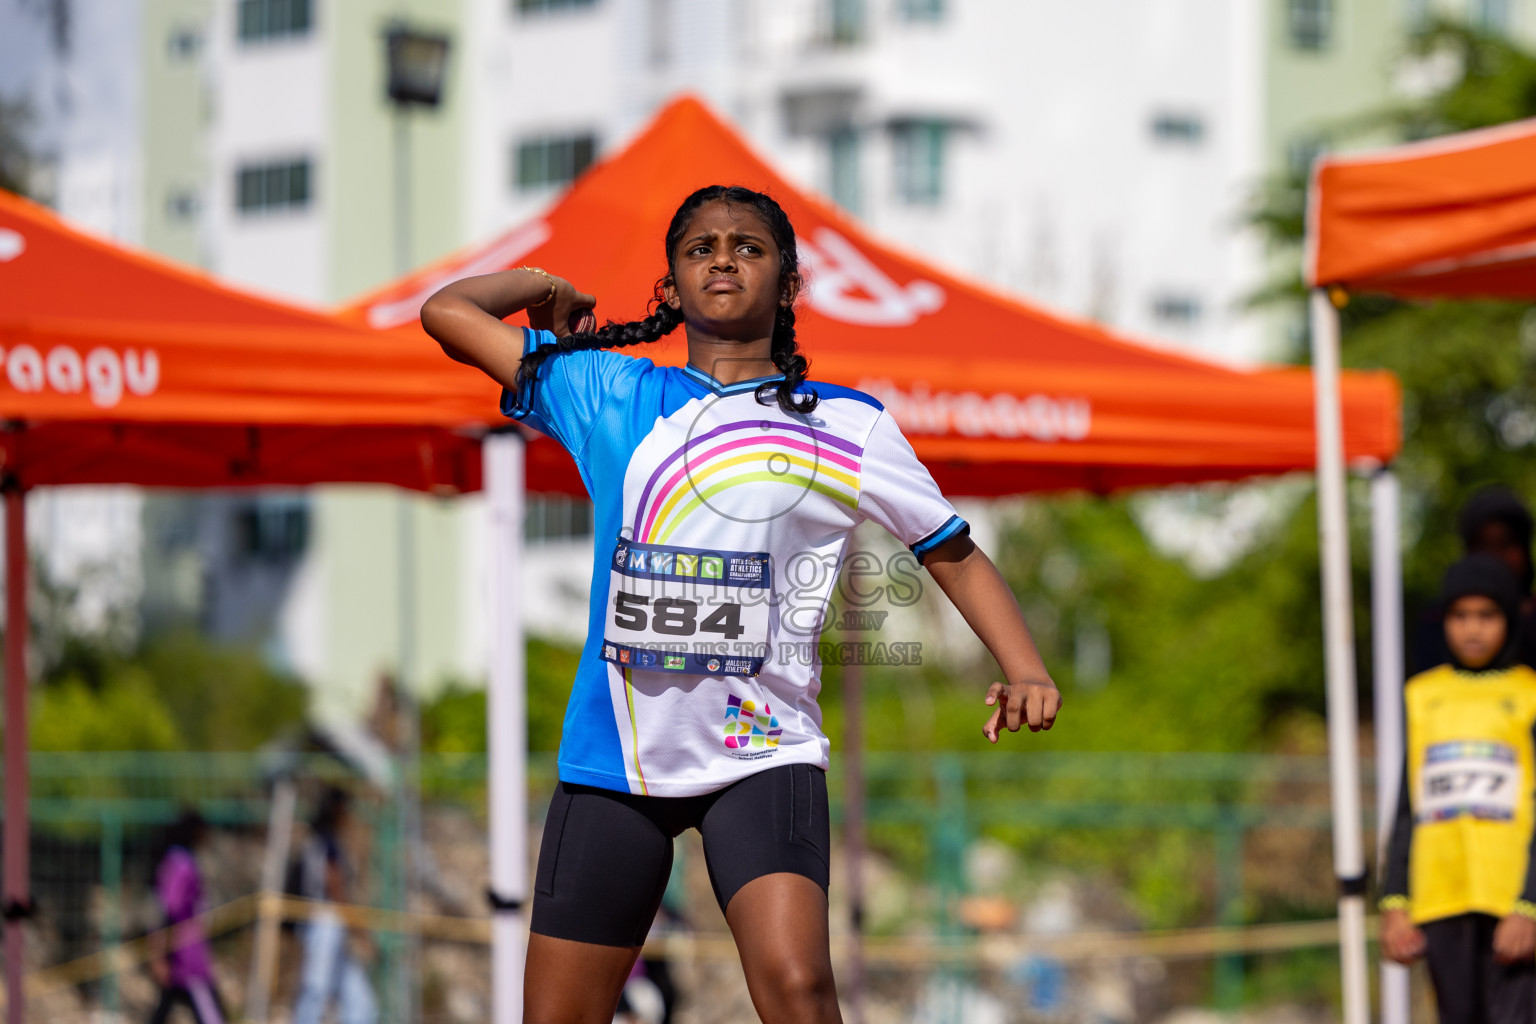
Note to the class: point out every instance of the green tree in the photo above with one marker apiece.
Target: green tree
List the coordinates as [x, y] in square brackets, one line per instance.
[1469, 407]
[454, 721]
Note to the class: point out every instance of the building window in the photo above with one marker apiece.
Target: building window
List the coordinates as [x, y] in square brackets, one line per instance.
[549, 6]
[553, 517]
[920, 10]
[1176, 309]
[274, 19]
[843, 153]
[274, 187]
[272, 529]
[1178, 128]
[1310, 23]
[843, 22]
[918, 147]
[1302, 152]
[183, 44]
[182, 204]
[1491, 15]
[552, 160]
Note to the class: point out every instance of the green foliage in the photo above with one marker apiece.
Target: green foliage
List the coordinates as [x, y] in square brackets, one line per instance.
[1493, 81]
[126, 713]
[453, 722]
[97, 688]
[222, 698]
[175, 692]
[1198, 663]
[1469, 414]
[1469, 408]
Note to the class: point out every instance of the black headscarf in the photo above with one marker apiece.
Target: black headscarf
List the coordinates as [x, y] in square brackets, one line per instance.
[1487, 576]
[1498, 505]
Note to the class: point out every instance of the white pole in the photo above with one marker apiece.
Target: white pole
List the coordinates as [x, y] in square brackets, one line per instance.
[1387, 655]
[1339, 661]
[507, 723]
[269, 913]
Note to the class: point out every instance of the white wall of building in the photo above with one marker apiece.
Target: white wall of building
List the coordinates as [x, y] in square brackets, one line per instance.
[270, 99]
[1056, 184]
[79, 79]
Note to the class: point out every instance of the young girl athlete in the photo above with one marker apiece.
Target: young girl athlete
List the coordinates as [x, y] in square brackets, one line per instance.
[724, 493]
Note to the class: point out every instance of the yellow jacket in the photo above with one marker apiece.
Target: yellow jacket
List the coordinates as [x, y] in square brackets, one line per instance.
[1462, 840]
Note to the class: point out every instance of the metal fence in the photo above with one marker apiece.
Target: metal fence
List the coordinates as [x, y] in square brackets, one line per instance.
[100, 822]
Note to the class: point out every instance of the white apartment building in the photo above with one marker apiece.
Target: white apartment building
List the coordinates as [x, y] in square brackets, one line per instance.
[1093, 156]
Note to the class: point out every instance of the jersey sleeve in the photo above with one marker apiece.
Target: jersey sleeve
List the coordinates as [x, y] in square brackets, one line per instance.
[896, 491]
[568, 393]
[1394, 874]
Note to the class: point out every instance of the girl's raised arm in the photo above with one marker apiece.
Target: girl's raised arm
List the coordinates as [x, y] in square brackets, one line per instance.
[968, 577]
[465, 317]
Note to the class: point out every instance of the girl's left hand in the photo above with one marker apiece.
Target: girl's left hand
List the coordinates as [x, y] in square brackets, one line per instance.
[1514, 939]
[1018, 704]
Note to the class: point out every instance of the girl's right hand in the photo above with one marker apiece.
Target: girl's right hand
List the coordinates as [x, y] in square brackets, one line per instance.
[556, 316]
[1400, 940]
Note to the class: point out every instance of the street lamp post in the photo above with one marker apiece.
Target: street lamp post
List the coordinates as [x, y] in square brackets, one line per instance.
[417, 65]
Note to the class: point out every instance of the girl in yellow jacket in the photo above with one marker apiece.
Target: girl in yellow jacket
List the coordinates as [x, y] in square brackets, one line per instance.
[1459, 885]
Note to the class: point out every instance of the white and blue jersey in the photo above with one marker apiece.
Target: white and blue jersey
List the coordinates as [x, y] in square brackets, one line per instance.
[721, 524]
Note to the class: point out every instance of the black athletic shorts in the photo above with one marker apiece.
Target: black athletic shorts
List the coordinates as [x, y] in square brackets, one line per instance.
[606, 855]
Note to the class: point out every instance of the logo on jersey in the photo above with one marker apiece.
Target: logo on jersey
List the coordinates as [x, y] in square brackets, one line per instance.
[746, 726]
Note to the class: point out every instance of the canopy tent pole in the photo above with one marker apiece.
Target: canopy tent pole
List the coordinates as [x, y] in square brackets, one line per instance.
[1387, 657]
[507, 723]
[853, 822]
[16, 872]
[1339, 660]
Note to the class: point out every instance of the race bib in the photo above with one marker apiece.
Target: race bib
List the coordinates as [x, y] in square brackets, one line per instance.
[687, 610]
[1469, 779]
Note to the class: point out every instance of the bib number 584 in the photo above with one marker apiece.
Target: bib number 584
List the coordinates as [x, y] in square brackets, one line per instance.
[674, 616]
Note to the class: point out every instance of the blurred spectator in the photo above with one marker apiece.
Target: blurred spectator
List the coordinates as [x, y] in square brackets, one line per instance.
[1494, 521]
[331, 971]
[184, 965]
[1459, 887]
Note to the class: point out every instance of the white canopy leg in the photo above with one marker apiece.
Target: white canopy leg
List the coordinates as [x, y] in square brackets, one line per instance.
[1387, 655]
[1339, 661]
[507, 724]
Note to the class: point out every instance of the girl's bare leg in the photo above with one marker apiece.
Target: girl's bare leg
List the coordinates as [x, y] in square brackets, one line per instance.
[780, 925]
[574, 982]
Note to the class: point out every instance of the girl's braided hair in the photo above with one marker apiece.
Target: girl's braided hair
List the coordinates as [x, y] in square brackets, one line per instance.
[663, 319]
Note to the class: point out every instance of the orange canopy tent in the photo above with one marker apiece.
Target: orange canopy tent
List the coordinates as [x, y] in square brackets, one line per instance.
[1453, 216]
[997, 396]
[119, 367]
[1456, 217]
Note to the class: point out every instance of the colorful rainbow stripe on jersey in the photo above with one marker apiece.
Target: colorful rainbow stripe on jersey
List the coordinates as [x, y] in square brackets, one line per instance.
[744, 452]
